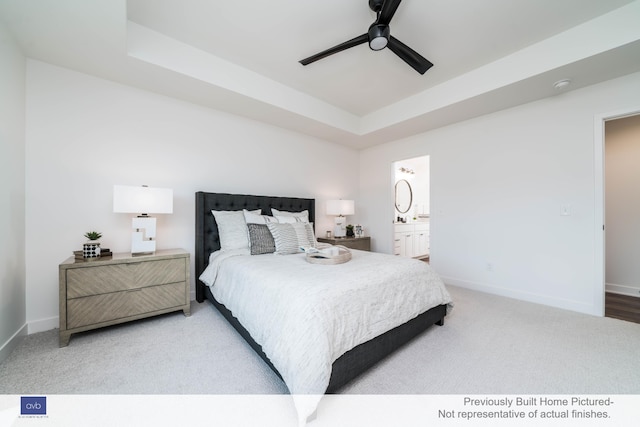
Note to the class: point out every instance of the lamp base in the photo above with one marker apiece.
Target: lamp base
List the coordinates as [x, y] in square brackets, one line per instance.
[339, 230]
[139, 246]
[142, 239]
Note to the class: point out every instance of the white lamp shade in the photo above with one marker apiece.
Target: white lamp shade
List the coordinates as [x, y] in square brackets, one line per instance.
[148, 200]
[340, 207]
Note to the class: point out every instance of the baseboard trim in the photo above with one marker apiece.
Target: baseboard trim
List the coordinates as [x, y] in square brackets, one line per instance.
[622, 290]
[13, 342]
[42, 325]
[526, 296]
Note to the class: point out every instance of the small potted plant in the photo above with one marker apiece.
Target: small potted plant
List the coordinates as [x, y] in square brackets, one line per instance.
[91, 249]
[349, 230]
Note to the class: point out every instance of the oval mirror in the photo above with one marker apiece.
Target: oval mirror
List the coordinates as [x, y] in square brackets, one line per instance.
[404, 196]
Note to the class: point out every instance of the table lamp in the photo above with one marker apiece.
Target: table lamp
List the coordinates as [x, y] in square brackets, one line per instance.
[143, 201]
[340, 208]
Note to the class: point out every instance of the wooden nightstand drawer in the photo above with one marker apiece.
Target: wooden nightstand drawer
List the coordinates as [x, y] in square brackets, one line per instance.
[120, 277]
[118, 305]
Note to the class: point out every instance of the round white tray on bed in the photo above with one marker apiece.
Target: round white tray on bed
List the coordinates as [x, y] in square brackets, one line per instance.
[343, 256]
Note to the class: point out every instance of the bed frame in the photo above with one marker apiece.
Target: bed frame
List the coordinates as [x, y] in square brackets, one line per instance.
[349, 365]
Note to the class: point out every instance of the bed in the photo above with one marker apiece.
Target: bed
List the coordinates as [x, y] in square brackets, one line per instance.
[355, 360]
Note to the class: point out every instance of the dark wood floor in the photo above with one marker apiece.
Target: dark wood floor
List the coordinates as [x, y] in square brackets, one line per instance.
[622, 307]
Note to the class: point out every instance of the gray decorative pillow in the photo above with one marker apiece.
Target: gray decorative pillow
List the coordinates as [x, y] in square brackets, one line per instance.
[260, 239]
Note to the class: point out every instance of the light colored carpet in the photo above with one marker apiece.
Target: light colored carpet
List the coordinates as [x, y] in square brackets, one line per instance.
[489, 344]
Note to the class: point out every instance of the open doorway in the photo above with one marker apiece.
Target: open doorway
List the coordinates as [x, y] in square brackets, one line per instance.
[412, 200]
[622, 218]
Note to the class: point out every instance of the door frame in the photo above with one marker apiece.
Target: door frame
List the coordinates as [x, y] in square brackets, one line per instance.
[599, 216]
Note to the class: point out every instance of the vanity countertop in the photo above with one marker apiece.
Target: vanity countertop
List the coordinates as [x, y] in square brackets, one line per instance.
[418, 221]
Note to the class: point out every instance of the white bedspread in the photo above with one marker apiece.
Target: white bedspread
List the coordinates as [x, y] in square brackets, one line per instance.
[307, 315]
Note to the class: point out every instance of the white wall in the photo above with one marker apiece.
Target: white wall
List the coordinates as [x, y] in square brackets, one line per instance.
[497, 186]
[622, 208]
[85, 134]
[12, 189]
[497, 182]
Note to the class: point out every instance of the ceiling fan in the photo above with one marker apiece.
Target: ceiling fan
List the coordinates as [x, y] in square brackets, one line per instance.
[379, 36]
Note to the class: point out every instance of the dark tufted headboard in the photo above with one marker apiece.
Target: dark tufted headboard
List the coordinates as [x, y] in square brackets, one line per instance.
[207, 239]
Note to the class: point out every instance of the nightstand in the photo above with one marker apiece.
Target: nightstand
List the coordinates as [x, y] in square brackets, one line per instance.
[361, 243]
[121, 288]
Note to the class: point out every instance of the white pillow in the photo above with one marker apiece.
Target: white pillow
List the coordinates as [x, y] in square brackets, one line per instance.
[253, 218]
[297, 216]
[290, 237]
[232, 229]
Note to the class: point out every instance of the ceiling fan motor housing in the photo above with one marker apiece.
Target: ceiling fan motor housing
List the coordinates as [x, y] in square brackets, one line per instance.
[375, 5]
[378, 36]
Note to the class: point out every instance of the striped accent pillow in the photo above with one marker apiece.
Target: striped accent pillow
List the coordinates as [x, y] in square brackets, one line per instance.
[309, 238]
[290, 237]
[260, 239]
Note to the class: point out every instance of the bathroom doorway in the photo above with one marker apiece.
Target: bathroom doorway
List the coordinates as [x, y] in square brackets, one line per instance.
[622, 210]
[412, 207]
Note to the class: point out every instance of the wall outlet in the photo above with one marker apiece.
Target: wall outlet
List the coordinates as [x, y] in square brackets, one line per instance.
[489, 266]
[565, 210]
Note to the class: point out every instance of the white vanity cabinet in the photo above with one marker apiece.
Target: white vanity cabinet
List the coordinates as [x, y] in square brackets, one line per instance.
[412, 240]
[404, 240]
[421, 239]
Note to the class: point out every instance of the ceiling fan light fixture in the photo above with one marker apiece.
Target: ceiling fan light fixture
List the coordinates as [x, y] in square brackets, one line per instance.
[378, 36]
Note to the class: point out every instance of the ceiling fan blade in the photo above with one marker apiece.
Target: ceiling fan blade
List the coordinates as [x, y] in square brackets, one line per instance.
[389, 8]
[408, 55]
[338, 48]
